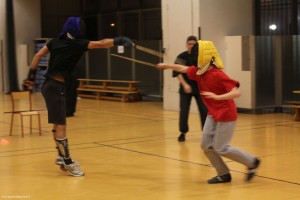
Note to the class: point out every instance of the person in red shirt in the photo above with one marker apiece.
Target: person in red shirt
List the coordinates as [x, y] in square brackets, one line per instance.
[218, 91]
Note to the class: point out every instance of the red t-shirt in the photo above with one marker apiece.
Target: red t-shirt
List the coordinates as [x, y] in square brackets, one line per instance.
[216, 81]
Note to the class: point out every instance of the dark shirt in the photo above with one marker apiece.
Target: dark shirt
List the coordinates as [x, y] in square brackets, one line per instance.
[186, 59]
[64, 54]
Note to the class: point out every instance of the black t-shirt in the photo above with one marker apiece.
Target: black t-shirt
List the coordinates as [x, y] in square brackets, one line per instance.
[64, 54]
[186, 59]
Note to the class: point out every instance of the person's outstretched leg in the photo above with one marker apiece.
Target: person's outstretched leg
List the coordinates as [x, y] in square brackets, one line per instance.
[54, 94]
[223, 173]
[221, 146]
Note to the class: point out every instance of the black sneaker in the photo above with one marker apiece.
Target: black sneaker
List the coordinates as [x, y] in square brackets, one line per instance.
[220, 179]
[181, 137]
[252, 171]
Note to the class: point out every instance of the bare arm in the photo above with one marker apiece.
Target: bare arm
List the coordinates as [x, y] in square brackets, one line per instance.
[234, 93]
[36, 58]
[175, 67]
[104, 43]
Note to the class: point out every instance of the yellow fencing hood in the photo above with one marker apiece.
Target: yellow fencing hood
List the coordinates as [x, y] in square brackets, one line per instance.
[207, 54]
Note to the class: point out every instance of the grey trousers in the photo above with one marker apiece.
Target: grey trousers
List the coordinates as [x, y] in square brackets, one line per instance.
[215, 143]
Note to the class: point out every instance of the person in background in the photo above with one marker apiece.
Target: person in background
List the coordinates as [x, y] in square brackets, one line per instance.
[65, 51]
[218, 92]
[187, 90]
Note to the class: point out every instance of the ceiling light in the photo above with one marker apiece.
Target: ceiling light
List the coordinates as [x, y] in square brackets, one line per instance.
[273, 27]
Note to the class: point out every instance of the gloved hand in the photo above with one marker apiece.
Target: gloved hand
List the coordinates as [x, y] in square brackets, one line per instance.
[123, 41]
[32, 74]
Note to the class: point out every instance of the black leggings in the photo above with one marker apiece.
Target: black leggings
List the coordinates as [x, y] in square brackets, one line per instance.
[54, 94]
[185, 102]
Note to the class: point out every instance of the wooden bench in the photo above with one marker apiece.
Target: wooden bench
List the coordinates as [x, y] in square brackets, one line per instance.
[119, 90]
[296, 106]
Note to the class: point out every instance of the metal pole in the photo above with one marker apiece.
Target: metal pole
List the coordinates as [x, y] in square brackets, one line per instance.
[133, 70]
[2, 65]
[87, 65]
[108, 64]
[161, 81]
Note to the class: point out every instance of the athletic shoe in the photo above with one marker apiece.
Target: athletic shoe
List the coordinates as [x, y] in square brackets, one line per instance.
[220, 179]
[72, 169]
[252, 171]
[181, 137]
[60, 161]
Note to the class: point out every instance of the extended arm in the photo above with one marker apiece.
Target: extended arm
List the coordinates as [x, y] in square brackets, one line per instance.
[234, 93]
[104, 43]
[109, 42]
[175, 67]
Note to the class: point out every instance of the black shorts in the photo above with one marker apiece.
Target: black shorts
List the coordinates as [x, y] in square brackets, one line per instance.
[55, 98]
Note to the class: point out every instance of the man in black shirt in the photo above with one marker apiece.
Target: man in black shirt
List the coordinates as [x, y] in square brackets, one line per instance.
[188, 89]
[65, 51]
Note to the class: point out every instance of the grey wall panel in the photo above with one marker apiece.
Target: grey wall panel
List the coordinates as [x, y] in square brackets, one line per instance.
[149, 77]
[277, 70]
[98, 67]
[288, 70]
[265, 72]
[121, 69]
[80, 69]
[100, 64]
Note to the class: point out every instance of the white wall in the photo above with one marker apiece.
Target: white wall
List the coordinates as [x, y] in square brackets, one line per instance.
[217, 19]
[27, 27]
[233, 56]
[180, 18]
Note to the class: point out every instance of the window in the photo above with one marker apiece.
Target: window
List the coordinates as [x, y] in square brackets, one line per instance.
[277, 17]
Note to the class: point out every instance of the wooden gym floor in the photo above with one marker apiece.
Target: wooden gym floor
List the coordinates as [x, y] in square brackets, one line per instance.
[130, 151]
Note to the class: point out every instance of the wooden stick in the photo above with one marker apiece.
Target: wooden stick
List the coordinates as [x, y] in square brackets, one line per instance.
[134, 60]
[150, 51]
